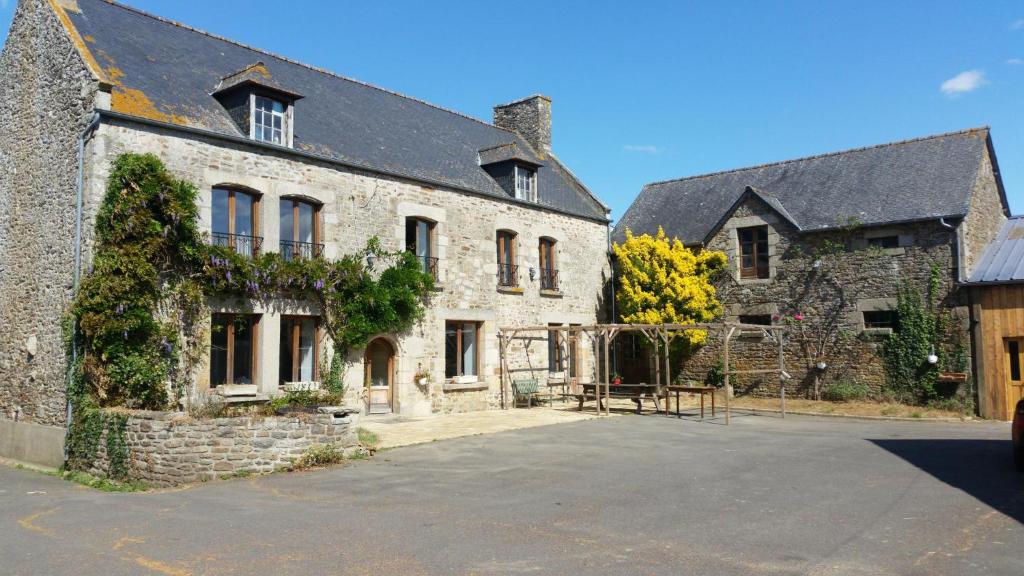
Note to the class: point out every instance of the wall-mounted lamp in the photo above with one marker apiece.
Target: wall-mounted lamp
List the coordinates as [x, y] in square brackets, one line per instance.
[933, 358]
[370, 261]
[816, 264]
[822, 365]
[533, 273]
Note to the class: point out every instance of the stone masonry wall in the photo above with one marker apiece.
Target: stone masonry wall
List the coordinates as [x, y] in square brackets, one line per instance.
[358, 205]
[831, 297]
[46, 95]
[984, 218]
[168, 448]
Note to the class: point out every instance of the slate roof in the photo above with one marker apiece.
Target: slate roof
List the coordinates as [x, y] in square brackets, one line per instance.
[920, 179]
[164, 71]
[1003, 259]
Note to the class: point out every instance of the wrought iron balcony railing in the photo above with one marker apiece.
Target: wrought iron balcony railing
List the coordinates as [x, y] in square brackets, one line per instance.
[429, 265]
[548, 279]
[240, 243]
[508, 275]
[291, 250]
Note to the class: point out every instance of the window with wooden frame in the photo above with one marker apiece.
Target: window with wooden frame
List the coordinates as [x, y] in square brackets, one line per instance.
[236, 220]
[556, 351]
[233, 340]
[753, 252]
[508, 271]
[574, 353]
[419, 240]
[461, 348]
[300, 229]
[300, 349]
[548, 268]
[1014, 346]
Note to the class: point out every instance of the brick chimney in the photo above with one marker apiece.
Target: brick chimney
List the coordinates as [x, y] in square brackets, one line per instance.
[530, 117]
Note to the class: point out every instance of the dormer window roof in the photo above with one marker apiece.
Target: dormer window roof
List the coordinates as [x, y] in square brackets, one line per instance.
[261, 108]
[514, 168]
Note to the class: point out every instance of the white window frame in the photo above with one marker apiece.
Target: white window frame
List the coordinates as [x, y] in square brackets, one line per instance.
[529, 194]
[286, 116]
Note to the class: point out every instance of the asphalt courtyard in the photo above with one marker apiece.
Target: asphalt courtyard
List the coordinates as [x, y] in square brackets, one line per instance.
[627, 495]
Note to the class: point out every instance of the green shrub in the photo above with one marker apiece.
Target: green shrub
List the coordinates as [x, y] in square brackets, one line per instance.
[844, 391]
[320, 455]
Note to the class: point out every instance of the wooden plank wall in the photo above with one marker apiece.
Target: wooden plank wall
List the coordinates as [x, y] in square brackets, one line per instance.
[1001, 315]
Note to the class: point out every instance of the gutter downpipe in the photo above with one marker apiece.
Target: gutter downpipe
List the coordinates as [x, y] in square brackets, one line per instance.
[959, 249]
[77, 272]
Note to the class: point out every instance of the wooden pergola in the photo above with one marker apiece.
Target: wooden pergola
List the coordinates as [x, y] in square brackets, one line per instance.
[660, 336]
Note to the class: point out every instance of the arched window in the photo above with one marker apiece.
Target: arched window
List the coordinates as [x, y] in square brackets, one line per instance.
[508, 271]
[548, 265]
[300, 229]
[235, 220]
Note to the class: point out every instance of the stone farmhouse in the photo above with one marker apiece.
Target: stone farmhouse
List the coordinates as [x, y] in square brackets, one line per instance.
[830, 240]
[294, 159]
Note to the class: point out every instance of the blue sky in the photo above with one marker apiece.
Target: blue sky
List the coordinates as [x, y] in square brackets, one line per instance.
[650, 91]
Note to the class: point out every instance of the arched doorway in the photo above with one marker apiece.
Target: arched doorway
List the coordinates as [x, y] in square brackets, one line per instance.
[380, 376]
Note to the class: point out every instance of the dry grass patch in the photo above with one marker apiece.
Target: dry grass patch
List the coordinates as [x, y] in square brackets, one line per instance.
[851, 408]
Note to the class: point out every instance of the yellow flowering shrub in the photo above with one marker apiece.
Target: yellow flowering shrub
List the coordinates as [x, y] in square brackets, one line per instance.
[663, 282]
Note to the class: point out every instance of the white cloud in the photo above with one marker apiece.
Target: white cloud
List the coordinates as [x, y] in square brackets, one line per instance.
[1015, 61]
[1017, 24]
[642, 148]
[963, 83]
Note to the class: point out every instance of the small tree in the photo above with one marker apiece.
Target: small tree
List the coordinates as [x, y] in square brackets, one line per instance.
[662, 281]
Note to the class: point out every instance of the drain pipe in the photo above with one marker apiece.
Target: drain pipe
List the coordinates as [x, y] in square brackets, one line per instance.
[77, 272]
[959, 249]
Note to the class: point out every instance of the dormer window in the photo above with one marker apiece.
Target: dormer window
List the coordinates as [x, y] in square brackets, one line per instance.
[260, 107]
[526, 183]
[268, 120]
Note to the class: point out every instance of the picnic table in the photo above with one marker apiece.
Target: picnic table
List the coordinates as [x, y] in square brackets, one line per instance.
[634, 392]
[702, 390]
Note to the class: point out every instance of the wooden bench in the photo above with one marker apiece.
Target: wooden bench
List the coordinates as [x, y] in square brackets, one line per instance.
[635, 392]
[526, 389]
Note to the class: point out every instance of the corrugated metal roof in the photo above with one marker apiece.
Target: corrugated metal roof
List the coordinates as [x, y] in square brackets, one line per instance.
[1003, 259]
[165, 71]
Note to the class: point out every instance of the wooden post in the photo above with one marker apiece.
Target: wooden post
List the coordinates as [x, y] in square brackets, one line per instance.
[725, 357]
[501, 366]
[657, 357]
[607, 373]
[782, 375]
[668, 371]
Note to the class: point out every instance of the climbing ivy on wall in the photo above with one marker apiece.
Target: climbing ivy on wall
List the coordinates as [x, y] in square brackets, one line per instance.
[140, 305]
[923, 329]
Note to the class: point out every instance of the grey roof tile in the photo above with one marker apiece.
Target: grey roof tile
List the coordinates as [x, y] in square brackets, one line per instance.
[166, 71]
[918, 179]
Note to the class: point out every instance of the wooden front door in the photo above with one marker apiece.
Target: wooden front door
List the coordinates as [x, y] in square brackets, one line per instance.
[380, 376]
[1014, 354]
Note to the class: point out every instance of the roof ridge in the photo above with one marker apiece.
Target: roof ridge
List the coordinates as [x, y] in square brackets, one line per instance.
[824, 155]
[164, 20]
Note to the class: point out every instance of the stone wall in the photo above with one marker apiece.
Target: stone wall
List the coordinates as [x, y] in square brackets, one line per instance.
[849, 278]
[168, 448]
[358, 205]
[985, 216]
[46, 95]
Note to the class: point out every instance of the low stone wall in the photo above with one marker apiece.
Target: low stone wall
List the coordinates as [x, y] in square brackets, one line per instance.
[168, 448]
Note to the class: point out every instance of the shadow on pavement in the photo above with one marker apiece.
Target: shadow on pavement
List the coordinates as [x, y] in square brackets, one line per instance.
[982, 468]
